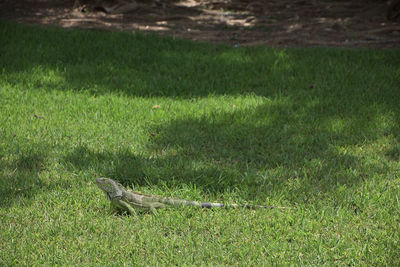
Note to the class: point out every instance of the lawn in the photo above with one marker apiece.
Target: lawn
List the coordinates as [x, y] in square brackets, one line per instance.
[316, 130]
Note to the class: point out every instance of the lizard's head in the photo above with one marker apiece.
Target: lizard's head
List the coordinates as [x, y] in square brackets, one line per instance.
[109, 187]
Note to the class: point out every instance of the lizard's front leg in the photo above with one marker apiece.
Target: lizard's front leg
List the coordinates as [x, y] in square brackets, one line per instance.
[128, 207]
[153, 210]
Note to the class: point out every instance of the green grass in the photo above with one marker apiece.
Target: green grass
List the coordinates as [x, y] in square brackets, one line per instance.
[316, 130]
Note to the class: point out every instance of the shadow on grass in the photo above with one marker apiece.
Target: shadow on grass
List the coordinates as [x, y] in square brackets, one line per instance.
[316, 177]
[20, 177]
[148, 66]
[343, 80]
[267, 150]
[330, 98]
[271, 148]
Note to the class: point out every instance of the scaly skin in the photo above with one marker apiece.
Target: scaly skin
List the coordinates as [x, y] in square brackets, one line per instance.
[131, 201]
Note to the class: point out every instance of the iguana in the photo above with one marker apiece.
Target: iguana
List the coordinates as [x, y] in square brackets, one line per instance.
[129, 201]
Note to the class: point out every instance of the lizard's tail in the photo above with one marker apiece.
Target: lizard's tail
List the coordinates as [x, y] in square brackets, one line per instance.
[209, 205]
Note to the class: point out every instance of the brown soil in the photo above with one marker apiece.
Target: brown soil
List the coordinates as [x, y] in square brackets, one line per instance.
[360, 23]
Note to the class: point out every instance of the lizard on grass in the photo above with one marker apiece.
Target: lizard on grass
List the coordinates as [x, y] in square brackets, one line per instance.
[129, 201]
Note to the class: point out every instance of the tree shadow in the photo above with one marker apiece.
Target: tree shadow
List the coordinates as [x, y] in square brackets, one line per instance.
[257, 151]
[303, 116]
[269, 145]
[161, 67]
[20, 177]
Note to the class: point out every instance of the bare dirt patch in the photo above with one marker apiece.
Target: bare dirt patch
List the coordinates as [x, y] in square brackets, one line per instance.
[361, 23]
